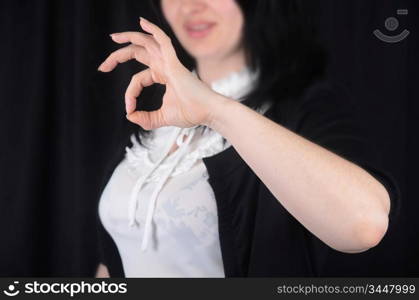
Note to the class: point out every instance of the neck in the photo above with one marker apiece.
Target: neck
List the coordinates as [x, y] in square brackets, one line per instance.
[212, 69]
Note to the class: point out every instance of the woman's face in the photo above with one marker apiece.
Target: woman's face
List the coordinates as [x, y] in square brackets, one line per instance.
[207, 29]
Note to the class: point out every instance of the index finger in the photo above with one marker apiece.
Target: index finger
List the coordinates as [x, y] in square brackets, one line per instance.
[138, 82]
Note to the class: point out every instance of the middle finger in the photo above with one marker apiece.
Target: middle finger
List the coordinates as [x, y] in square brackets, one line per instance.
[137, 38]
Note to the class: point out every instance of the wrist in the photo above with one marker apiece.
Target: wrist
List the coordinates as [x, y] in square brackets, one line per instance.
[222, 108]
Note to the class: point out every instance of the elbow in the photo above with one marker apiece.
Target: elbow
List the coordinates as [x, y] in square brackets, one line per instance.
[370, 227]
[369, 232]
[364, 234]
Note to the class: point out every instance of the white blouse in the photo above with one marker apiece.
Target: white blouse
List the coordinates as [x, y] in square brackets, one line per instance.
[159, 208]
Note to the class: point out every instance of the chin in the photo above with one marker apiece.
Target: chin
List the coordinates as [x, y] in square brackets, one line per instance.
[204, 51]
[207, 55]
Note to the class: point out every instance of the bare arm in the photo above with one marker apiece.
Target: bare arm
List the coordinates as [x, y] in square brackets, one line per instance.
[336, 200]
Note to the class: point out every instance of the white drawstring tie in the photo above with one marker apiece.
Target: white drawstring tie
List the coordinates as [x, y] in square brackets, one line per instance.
[177, 137]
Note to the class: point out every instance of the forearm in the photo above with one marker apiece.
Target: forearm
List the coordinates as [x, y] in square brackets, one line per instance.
[336, 200]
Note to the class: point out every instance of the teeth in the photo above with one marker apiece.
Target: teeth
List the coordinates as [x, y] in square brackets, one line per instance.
[200, 27]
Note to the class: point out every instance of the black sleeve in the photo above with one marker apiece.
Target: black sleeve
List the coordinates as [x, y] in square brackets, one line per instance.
[100, 237]
[326, 117]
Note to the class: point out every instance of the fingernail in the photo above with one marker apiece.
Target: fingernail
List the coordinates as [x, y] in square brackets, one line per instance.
[145, 21]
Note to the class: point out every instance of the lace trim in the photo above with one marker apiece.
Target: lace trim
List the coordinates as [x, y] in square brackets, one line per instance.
[138, 156]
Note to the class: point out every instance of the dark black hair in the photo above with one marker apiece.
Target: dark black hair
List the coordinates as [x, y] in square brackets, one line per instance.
[280, 41]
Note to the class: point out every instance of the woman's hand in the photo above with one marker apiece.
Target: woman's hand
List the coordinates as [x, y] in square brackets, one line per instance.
[187, 101]
[102, 271]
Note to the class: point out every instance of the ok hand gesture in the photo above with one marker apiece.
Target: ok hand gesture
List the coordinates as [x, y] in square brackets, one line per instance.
[187, 101]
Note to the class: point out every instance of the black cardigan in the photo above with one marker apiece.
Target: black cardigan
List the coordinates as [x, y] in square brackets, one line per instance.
[258, 237]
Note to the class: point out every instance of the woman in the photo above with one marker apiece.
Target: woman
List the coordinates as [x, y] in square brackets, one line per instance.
[253, 166]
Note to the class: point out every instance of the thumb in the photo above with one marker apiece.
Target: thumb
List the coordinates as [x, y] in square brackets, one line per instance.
[147, 119]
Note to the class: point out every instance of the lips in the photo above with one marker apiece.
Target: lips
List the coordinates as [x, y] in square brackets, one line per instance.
[199, 29]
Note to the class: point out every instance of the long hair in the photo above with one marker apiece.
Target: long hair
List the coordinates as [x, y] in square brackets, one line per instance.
[280, 43]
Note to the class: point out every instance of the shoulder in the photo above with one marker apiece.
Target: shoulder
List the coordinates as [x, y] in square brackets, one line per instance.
[324, 99]
[326, 95]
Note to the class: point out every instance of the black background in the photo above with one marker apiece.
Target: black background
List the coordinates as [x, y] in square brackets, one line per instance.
[61, 121]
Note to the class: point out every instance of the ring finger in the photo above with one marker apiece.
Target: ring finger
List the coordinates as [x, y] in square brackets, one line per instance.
[123, 55]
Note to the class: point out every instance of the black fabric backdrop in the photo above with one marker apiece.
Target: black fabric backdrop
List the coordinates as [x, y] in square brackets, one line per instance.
[61, 121]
